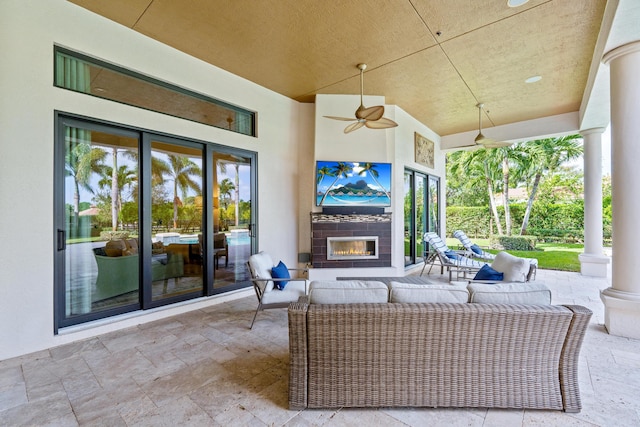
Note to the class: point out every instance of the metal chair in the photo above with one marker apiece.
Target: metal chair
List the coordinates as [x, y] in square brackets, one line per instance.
[260, 266]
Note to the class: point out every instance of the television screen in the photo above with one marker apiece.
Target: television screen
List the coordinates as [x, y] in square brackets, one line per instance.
[353, 184]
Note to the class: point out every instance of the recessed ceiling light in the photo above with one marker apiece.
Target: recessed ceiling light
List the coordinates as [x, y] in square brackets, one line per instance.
[533, 79]
[516, 3]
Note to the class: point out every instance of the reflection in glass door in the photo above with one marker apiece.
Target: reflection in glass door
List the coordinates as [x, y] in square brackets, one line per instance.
[434, 206]
[409, 235]
[96, 221]
[144, 220]
[421, 217]
[176, 220]
[233, 225]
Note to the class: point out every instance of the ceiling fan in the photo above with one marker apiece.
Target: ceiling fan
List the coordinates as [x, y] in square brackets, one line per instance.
[370, 117]
[483, 140]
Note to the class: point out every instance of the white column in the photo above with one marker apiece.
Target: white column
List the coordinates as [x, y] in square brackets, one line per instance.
[622, 299]
[593, 262]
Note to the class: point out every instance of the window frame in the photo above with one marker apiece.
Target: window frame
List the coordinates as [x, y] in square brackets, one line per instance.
[58, 50]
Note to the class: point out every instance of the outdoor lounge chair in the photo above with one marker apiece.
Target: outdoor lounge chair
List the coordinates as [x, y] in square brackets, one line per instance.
[454, 261]
[475, 251]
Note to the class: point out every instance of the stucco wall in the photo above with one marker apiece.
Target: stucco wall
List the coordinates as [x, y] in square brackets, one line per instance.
[28, 32]
[291, 136]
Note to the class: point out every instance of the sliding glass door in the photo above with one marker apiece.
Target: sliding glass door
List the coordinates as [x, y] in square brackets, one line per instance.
[176, 218]
[143, 220]
[421, 202]
[97, 211]
[233, 218]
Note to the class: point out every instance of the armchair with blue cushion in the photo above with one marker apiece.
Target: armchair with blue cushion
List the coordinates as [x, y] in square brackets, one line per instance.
[274, 286]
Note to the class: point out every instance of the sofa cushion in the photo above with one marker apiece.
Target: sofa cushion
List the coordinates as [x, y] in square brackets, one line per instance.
[293, 291]
[115, 248]
[280, 271]
[261, 265]
[510, 293]
[347, 292]
[488, 273]
[408, 292]
[515, 269]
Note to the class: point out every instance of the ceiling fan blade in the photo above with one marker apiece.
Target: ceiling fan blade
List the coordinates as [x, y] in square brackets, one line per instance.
[480, 138]
[495, 144]
[346, 119]
[382, 123]
[353, 126]
[371, 113]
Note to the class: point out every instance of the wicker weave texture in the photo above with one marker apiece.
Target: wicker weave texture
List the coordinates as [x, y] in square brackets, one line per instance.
[431, 355]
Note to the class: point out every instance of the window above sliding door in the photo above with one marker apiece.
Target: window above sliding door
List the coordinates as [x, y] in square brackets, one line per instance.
[81, 73]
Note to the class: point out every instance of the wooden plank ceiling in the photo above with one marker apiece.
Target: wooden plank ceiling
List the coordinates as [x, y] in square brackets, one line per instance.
[434, 59]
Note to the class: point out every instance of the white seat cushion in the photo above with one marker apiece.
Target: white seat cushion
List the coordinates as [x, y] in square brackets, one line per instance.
[510, 293]
[515, 269]
[291, 293]
[407, 292]
[347, 292]
[261, 265]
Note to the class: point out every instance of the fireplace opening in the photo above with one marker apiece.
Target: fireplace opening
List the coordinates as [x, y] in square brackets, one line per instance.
[348, 248]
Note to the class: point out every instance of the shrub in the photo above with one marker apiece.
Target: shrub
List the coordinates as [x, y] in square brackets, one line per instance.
[114, 235]
[552, 235]
[513, 243]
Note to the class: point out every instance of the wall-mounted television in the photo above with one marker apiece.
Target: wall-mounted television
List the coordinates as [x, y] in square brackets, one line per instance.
[365, 184]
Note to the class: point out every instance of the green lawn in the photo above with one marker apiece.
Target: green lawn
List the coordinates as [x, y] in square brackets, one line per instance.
[553, 256]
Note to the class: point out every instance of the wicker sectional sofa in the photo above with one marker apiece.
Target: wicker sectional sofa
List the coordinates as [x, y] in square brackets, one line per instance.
[378, 353]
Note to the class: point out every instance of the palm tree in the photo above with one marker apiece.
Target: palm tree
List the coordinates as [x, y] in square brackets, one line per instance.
[182, 169]
[81, 161]
[478, 166]
[370, 168]
[505, 156]
[341, 170]
[321, 173]
[544, 157]
[124, 176]
[226, 187]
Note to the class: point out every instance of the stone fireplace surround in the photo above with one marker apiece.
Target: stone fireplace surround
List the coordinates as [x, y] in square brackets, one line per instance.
[350, 225]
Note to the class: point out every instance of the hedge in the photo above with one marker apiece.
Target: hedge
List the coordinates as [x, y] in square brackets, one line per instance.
[564, 222]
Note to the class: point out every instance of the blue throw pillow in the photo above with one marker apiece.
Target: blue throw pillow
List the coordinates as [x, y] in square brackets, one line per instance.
[280, 272]
[476, 249]
[488, 273]
[451, 254]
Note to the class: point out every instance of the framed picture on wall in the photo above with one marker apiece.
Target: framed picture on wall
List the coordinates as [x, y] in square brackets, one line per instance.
[424, 151]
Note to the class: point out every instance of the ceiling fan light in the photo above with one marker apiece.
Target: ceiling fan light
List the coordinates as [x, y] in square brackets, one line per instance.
[516, 3]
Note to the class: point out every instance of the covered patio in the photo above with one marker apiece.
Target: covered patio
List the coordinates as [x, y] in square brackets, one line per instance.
[206, 367]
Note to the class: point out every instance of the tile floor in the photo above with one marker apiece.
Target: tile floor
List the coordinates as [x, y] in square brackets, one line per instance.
[206, 368]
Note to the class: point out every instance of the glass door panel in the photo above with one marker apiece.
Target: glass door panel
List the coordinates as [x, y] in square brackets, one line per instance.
[233, 223]
[421, 218]
[100, 232]
[408, 218]
[176, 220]
[434, 209]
